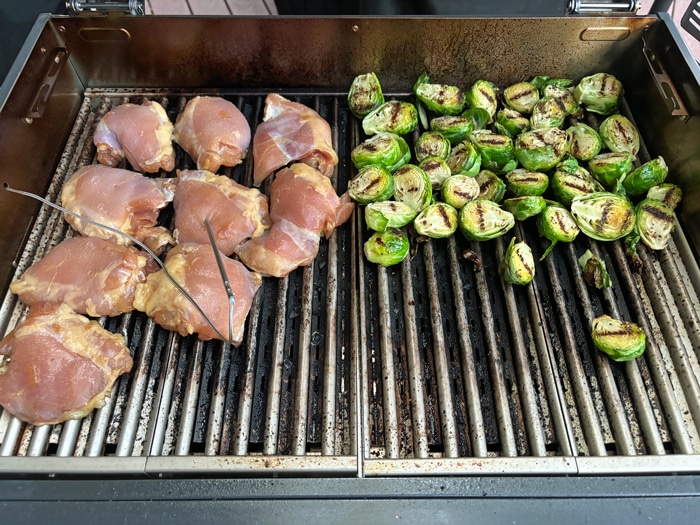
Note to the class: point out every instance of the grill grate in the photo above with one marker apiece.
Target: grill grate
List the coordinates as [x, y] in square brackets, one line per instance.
[427, 367]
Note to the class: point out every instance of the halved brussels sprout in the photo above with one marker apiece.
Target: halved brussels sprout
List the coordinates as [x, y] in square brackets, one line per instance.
[646, 176]
[619, 135]
[453, 128]
[460, 189]
[437, 169]
[599, 93]
[525, 207]
[518, 264]
[608, 168]
[510, 122]
[365, 94]
[521, 182]
[603, 216]
[432, 144]
[372, 183]
[584, 141]
[483, 94]
[569, 183]
[383, 149]
[654, 223]
[388, 214]
[497, 151]
[521, 97]
[556, 224]
[438, 220]
[464, 159]
[565, 98]
[394, 116]
[491, 186]
[542, 149]
[668, 193]
[440, 98]
[621, 340]
[388, 247]
[482, 220]
[594, 270]
[549, 112]
[412, 186]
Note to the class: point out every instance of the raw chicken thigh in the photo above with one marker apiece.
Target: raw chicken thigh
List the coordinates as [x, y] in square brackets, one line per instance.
[90, 275]
[213, 132]
[303, 206]
[141, 133]
[119, 198]
[194, 267]
[236, 213]
[291, 132]
[61, 365]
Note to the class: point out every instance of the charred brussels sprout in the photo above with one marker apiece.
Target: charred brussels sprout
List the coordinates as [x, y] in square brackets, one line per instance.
[383, 149]
[565, 98]
[599, 93]
[521, 182]
[518, 264]
[525, 207]
[464, 159]
[388, 247]
[459, 189]
[438, 220]
[654, 222]
[437, 169]
[608, 168]
[584, 141]
[412, 186]
[569, 183]
[483, 94]
[619, 135]
[496, 151]
[646, 176]
[365, 94]
[594, 270]
[372, 183]
[603, 216]
[510, 122]
[482, 220]
[388, 214]
[542, 149]
[432, 144]
[453, 128]
[440, 98]
[668, 193]
[549, 112]
[521, 97]
[394, 116]
[491, 186]
[621, 340]
[556, 224]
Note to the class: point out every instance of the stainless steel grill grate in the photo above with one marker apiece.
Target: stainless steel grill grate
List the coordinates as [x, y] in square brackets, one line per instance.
[424, 368]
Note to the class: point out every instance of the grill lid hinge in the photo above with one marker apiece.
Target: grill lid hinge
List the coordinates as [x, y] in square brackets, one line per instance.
[587, 7]
[131, 7]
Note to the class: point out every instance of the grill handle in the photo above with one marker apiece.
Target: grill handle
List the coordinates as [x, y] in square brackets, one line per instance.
[584, 7]
[663, 83]
[133, 7]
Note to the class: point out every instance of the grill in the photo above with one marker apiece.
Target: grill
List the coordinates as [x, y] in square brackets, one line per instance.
[432, 367]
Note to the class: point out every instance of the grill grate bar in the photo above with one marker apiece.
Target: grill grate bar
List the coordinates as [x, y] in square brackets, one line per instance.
[70, 434]
[189, 406]
[164, 395]
[218, 400]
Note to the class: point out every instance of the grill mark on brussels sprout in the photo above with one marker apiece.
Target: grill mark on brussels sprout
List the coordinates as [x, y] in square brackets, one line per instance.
[657, 213]
[577, 184]
[519, 92]
[443, 215]
[394, 113]
[560, 222]
[370, 147]
[523, 262]
[626, 329]
[604, 216]
[493, 139]
[480, 219]
[486, 93]
[604, 83]
[431, 165]
[560, 104]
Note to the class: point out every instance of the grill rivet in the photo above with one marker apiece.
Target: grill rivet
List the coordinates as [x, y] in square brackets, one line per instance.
[355, 29]
[28, 120]
[61, 29]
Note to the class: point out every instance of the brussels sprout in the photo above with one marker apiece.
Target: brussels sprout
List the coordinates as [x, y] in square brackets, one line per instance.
[567, 184]
[521, 97]
[646, 176]
[432, 144]
[525, 207]
[460, 189]
[548, 113]
[521, 182]
[388, 247]
[621, 340]
[584, 141]
[542, 81]
[599, 93]
[510, 122]
[372, 183]
[594, 271]
[556, 224]
[608, 168]
[388, 214]
[668, 193]
[441, 98]
[482, 220]
[542, 149]
[479, 116]
[383, 149]
[565, 98]
[619, 135]
[394, 116]
[518, 264]
[365, 94]
[603, 216]
[453, 128]
[412, 186]
[464, 159]
[438, 220]
[491, 186]
[497, 152]
[437, 169]
[654, 223]
[483, 94]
